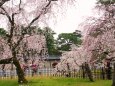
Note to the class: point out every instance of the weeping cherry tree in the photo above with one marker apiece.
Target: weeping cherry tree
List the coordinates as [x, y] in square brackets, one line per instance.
[20, 15]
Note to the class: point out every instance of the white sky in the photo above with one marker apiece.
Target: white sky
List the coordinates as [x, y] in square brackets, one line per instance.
[73, 16]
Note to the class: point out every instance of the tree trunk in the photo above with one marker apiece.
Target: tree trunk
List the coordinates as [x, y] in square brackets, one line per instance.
[113, 84]
[83, 70]
[20, 72]
[69, 71]
[108, 71]
[88, 72]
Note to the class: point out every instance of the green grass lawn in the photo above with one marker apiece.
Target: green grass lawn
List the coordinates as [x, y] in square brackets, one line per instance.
[54, 81]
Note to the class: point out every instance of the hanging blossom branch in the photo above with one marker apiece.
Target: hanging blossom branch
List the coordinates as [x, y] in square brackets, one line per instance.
[13, 15]
[11, 20]
[44, 9]
[42, 12]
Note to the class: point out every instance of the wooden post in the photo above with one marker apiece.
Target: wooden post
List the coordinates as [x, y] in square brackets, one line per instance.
[74, 73]
[68, 69]
[11, 71]
[102, 73]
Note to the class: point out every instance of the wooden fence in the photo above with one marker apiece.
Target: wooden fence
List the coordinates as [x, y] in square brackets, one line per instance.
[100, 73]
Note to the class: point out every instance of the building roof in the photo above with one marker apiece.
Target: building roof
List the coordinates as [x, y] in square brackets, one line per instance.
[50, 58]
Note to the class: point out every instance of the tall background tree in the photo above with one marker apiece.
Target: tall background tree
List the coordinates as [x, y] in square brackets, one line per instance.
[65, 40]
[50, 40]
[3, 32]
[49, 34]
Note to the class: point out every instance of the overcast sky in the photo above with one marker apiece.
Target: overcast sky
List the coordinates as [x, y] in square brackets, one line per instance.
[73, 16]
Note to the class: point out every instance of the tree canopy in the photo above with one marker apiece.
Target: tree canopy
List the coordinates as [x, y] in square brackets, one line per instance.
[3, 32]
[50, 41]
[64, 40]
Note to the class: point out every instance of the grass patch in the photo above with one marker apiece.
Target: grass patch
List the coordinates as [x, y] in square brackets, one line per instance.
[56, 81]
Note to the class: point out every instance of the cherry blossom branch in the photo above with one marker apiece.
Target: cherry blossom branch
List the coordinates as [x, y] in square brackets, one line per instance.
[35, 19]
[19, 10]
[2, 2]
[42, 12]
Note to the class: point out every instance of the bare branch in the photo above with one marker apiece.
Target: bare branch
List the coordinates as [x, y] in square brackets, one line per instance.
[6, 13]
[20, 5]
[6, 61]
[34, 20]
[18, 42]
[19, 10]
[2, 2]
[2, 13]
